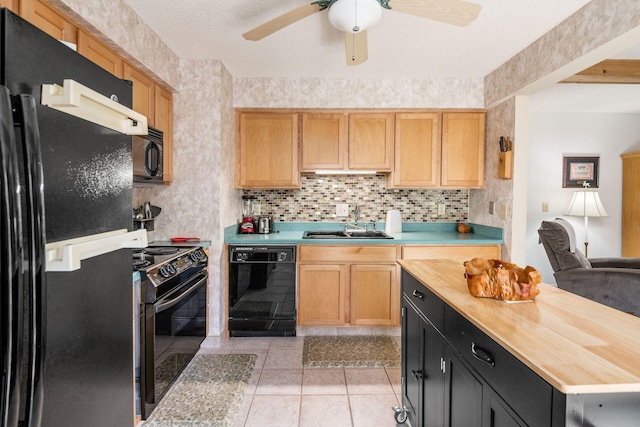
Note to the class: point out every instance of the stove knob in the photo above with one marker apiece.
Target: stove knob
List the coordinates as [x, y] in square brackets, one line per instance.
[197, 255]
[164, 273]
[171, 269]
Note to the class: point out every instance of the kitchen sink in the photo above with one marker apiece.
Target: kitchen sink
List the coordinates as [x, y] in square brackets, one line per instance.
[348, 234]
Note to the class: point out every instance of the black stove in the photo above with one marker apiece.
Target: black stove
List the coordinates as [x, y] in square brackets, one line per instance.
[173, 287]
[165, 267]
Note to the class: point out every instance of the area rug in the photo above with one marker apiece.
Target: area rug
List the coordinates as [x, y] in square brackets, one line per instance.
[168, 370]
[350, 352]
[208, 393]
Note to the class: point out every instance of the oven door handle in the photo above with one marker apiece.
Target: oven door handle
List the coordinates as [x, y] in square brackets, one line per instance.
[162, 304]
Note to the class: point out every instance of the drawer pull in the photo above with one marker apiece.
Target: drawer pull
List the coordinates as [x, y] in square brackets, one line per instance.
[482, 354]
[417, 375]
[418, 295]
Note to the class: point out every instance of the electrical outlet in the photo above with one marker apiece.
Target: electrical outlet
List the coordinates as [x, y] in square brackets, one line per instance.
[503, 211]
[492, 207]
[441, 208]
[342, 209]
[545, 206]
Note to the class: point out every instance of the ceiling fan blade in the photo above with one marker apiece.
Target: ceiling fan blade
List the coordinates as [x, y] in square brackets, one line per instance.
[280, 22]
[455, 12]
[356, 47]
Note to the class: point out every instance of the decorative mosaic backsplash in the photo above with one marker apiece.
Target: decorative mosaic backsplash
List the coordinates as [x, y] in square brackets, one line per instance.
[318, 196]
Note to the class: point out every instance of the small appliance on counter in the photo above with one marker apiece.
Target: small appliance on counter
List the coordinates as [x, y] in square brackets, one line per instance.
[250, 208]
[265, 225]
[394, 222]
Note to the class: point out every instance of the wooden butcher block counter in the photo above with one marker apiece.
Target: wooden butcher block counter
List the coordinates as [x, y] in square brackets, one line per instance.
[587, 352]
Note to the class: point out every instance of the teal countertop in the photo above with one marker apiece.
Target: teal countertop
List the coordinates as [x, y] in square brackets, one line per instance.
[413, 233]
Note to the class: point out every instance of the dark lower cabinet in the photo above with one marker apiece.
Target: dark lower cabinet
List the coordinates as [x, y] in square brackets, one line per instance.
[498, 413]
[463, 393]
[455, 375]
[440, 387]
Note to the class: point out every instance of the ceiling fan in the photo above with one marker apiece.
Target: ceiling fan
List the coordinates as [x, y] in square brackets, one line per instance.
[355, 16]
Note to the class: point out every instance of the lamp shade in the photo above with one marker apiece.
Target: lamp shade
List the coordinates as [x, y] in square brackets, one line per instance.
[586, 203]
[353, 16]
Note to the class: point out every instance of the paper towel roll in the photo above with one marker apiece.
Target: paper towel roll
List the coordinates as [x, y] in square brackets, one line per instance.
[394, 222]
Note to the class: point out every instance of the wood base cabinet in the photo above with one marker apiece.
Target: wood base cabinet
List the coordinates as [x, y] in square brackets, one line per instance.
[347, 286]
[630, 205]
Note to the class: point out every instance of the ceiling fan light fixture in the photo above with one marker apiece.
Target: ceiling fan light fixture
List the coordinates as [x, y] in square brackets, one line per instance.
[353, 16]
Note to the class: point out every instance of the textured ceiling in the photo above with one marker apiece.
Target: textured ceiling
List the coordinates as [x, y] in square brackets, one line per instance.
[400, 46]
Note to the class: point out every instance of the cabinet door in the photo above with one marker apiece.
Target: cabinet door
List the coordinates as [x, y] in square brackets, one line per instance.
[143, 92]
[412, 355]
[267, 150]
[417, 151]
[12, 5]
[463, 150]
[463, 394]
[99, 53]
[324, 141]
[630, 205]
[163, 120]
[375, 295]
[48, 20]
[371, 141]
[322, 294]
[497, 413]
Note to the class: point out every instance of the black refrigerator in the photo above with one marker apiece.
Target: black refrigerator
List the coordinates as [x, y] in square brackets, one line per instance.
[66, 308]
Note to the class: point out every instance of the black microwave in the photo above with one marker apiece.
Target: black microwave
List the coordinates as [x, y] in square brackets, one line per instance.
[147, 157]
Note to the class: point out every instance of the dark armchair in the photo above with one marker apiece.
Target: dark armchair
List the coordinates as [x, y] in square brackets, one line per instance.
[611, 281]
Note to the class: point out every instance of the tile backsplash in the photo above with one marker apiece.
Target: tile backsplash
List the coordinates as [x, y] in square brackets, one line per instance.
[318, 196]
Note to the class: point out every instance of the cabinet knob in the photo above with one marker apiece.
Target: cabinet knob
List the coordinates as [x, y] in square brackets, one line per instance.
[418, 295]
[417, 375]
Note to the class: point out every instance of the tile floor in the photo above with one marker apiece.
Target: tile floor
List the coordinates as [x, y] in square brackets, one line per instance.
[283, 394]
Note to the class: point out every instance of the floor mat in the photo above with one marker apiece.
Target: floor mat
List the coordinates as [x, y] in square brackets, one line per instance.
[350, 352]
[208, 393]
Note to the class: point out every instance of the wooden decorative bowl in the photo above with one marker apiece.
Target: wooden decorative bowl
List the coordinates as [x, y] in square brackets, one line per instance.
[503, 280]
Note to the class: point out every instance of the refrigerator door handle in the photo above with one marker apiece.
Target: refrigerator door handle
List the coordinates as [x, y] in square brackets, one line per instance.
[26, 117]
[11, 270]
[85, 103]
[66, 255]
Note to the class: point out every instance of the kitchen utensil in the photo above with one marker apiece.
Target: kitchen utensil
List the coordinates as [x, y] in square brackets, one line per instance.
[265, 225]
[155, 211]
[394, 222]
[248, 225]
[147, 210]
[185, 239]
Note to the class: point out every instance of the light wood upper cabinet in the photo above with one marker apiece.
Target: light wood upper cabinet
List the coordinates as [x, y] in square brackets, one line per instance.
[144, 92]
[49, 20]
[417, 151]
[12, 5]
[163, 120]
[324, 141]
[267, 150]
[463, 137]
[371, 141]
[342, 140]
[435, 149]
[99, 53]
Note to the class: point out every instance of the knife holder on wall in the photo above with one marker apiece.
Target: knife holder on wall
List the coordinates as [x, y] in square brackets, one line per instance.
[505, 159]
[505, 165]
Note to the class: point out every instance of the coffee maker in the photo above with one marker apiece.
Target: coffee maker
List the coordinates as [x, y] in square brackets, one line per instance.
[250, 208]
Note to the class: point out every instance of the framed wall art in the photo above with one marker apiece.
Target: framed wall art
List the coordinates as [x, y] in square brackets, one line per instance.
[577, 170]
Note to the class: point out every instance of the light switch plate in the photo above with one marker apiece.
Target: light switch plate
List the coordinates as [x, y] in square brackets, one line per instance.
[342, 209]
[441, 209]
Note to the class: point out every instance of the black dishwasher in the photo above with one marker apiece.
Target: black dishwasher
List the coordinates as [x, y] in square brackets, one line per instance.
[262, 291]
